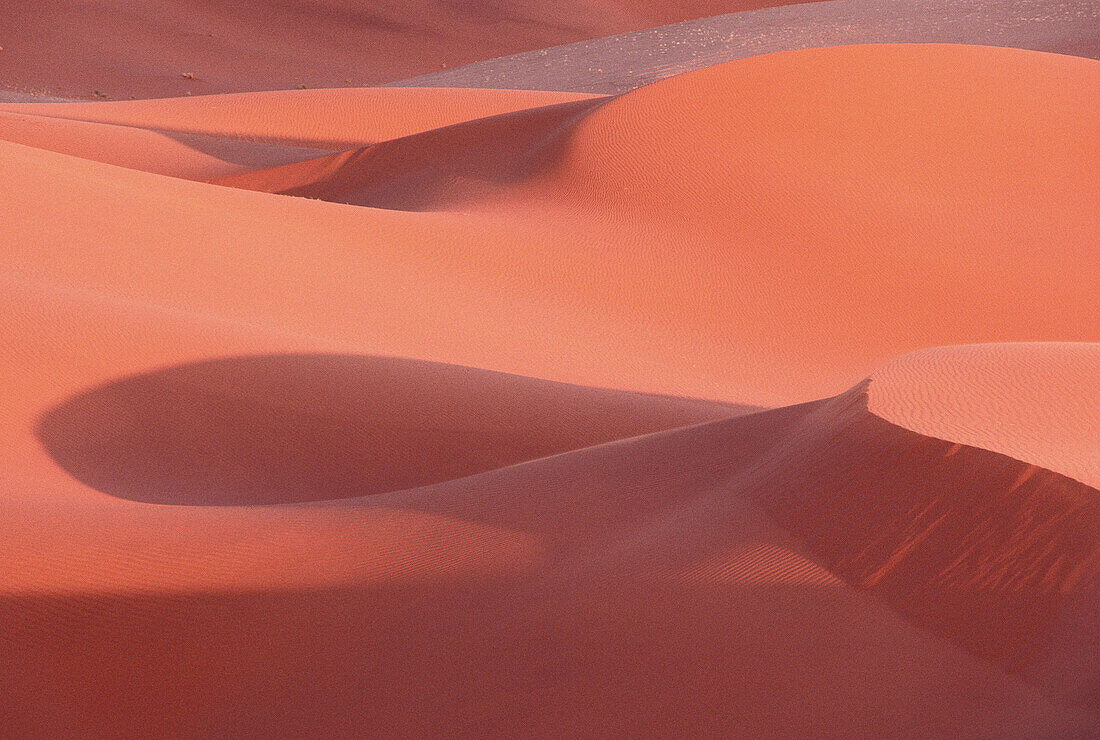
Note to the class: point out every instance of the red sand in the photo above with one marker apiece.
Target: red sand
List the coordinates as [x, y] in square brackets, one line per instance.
[122, 48]
[1048, 420]
[845, 240]
[229, 505]
[216, 136]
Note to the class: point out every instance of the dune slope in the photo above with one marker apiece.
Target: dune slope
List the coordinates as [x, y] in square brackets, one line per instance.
[925, 182]
[348, 464]
[662, 550]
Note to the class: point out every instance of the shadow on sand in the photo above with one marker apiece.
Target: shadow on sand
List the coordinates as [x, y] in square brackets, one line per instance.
[291, 428]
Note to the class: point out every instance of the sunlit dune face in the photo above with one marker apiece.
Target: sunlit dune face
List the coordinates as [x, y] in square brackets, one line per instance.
[1035, 402]
[263, 470]
[830, 212]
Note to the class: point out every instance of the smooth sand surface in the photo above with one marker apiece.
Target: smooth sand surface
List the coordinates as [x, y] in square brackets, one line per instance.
[829, 213]
[347, 464]
[123, 48]
[209, 137]
[293, 117]
[962, 396]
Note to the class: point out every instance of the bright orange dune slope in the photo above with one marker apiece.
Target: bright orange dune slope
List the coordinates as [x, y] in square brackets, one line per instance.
[781, 222]
[216, 136]
[264, 468]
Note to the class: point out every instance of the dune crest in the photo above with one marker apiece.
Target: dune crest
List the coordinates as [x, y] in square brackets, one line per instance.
[610, 538]
[994, 553]
[363, 413]
[351, 117]
[1039, 403]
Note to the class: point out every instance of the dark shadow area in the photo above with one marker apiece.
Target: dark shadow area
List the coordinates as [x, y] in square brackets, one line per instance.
[494, 658]
[995, 554]
[431, 170]
[291, 428]
[245, 152]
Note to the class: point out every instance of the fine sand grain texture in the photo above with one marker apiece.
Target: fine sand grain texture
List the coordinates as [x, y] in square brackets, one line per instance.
[833, 204]
[759, 401]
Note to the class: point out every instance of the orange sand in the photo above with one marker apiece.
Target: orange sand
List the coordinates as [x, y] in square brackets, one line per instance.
[269, 464]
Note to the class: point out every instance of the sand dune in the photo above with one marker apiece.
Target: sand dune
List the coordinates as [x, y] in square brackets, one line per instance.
[217, 136]
[188, 155]
[476, 584]
[122, 47]
[1036, 403]
[834, 185]
[290, 117]
[350, 464]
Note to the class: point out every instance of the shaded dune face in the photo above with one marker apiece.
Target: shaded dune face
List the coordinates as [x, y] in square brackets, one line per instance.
[328, 119]
[998, 555]
[995, 555]
[433, 170]
[356, 545]
[191, 156]
[287, 428]
[212, 137]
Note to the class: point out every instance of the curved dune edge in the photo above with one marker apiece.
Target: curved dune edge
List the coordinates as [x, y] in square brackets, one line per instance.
[1038, 403]
[986, 551]
[220, 136]
[186, 155]
[996, 554]
[289, 428]
[446, 168]
[325, 119]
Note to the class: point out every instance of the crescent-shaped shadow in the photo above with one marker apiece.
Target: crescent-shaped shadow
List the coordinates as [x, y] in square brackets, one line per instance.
[308, 427]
